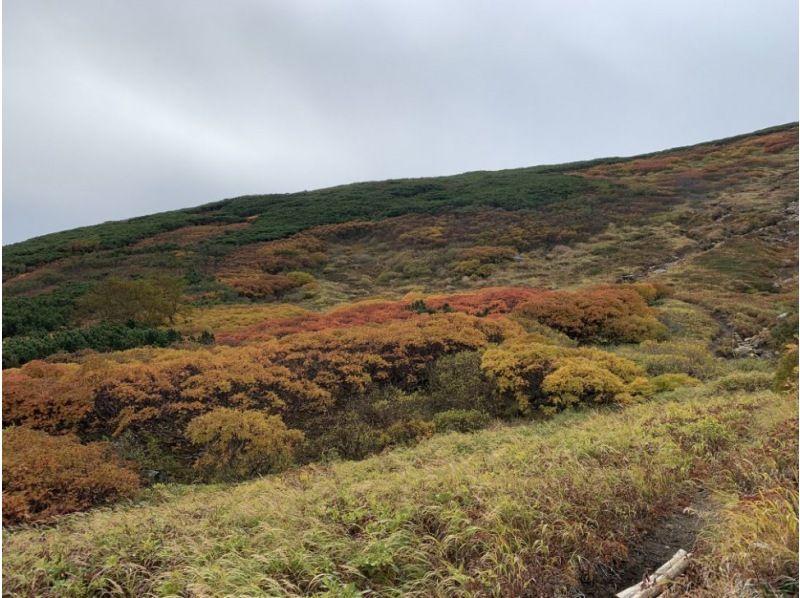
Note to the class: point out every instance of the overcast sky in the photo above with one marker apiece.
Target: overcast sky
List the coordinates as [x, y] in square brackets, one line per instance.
[114, 108]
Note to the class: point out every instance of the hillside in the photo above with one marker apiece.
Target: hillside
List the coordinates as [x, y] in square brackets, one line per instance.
[497, 383]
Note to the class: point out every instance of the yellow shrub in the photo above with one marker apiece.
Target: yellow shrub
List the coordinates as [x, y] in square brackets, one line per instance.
[241, 444]
[578, 379]
[550, 377]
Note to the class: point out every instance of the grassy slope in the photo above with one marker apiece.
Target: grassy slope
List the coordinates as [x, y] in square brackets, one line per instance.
[514, 510]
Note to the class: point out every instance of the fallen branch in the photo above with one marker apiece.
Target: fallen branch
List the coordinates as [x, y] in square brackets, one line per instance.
[655, 584]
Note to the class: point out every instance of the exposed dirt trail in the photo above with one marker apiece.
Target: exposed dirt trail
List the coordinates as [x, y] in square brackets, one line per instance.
[679, 530]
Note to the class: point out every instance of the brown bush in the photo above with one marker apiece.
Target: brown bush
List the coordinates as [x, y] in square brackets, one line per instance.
[45, 476]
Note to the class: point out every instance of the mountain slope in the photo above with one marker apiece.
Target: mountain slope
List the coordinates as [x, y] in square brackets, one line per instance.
[653, 299]
[601, 220]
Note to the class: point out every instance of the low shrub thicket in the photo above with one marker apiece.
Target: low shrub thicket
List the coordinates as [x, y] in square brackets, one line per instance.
[237, 445]
[745, 382]
[601, 315]
[675, 357]
[460, 420]
[45, 476]
[18, 350]
[529, 374]
[515, 511]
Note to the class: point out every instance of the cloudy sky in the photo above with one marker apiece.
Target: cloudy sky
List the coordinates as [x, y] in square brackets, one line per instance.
[113, 108]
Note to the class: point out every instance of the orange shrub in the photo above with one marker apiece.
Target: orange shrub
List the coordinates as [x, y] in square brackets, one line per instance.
[300, 376]
[620, 310]
[357, 314]
[495, 300]
[162, 396]
[47, 396]
[258, 285]
[492, 300]
[45, 476]
[350, 359]
[605, 315]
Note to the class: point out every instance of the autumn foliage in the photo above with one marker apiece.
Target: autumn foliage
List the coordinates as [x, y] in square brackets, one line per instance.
[530, 374]
[241, 407]
[606, 315]
[241, 444]
[45, 476]
[264, 270]
[48, 396]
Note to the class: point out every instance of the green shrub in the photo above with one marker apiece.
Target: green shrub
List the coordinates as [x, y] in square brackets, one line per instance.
[457, 382]
[409, 431]
[473, 268]
[151, 301]
[744, 381]
[301, 278]
[674, 357]
[460, 420]
[688, 321]
[349, 437]
[416, 269]
[18, 350]
[668, 382]
[41, 313]
[158, 461]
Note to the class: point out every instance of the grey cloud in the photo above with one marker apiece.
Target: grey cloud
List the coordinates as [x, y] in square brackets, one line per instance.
[114, 108]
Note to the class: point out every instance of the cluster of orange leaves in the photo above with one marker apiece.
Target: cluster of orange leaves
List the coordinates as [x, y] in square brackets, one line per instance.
[604, 314]
[301, 365]
[488, 301]
[45, 476]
